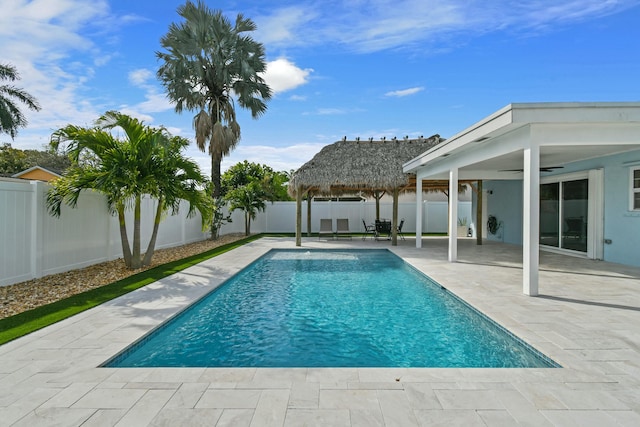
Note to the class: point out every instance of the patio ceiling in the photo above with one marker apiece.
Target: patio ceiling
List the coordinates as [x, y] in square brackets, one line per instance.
[493, 148]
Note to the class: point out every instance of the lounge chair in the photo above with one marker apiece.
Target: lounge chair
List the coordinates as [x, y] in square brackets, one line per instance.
[326, 227]
[368, 229]
[342, 228]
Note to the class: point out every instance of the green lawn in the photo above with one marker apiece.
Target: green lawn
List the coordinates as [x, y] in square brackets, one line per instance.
[26, 322]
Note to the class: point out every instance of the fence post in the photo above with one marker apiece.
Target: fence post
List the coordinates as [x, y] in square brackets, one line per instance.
[38, 211]
[184, 220]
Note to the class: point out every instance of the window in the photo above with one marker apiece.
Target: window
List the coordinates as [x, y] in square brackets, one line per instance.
[634, 199]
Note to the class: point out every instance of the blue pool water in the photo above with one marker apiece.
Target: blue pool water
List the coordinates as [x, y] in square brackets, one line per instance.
[319, 308]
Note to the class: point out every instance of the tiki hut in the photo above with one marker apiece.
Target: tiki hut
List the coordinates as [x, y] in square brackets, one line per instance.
[350, 167]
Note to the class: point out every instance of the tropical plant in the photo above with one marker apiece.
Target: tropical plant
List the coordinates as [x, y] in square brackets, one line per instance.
[248, 186]
[208, 65]
[11, 118]
[147, 161]
[249, 198]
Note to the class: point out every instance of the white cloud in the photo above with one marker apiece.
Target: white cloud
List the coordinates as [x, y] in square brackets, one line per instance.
[332, 111]
[40, 38]
[370, 26]
[284, 25]
[283, 75]
[404, 92]
[279, 158]
[140, 77]
[297, 98]
[155, 102]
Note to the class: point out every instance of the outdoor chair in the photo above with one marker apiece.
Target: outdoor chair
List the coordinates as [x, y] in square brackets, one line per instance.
[383, 227]
[576, 228]
[326, 228]
[368, 229]
[342, 228]
[400, 229]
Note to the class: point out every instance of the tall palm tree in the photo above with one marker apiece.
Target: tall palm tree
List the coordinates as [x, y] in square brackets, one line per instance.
[209, 64]
[11, 118]
[148, 161]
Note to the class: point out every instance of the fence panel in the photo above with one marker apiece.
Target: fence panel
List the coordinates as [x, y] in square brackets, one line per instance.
[33, 243]
[85, 227]
[16, 209]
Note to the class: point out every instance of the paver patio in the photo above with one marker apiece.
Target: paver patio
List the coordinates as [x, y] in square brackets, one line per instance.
[587, 319]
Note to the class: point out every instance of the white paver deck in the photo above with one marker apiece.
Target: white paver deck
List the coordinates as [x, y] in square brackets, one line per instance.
[587, 319]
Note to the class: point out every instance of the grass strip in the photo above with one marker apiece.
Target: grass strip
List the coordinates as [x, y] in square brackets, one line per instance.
[29, 321]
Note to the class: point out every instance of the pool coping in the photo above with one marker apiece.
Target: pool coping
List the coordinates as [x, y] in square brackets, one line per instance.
[53, 372]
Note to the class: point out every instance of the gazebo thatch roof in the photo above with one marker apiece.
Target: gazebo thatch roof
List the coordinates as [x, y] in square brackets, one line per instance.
[352, 166]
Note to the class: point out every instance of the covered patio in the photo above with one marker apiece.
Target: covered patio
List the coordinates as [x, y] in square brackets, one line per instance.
[585, 319]
[526, 142]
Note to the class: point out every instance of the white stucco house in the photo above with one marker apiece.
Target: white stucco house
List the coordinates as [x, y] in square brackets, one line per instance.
[560, 177]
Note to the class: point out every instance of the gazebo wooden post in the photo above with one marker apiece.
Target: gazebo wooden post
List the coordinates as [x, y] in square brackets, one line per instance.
[309, 213]
[394, 219]
[299, 216]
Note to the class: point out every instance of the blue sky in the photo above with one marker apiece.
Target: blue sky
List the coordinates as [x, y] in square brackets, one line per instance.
[339, 68]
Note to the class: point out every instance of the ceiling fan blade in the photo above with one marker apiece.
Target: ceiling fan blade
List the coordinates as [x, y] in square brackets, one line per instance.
[542, 169]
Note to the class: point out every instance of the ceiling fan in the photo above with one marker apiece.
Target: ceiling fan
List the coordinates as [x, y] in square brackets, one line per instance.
[542, 169]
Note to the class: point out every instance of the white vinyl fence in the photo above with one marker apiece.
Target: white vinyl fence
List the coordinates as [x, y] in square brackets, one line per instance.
[280, 217]
[35, 244]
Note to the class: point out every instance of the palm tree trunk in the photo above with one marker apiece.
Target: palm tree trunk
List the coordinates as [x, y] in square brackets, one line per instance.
[247, 223]
[215, 175]
[215, 180]
[124, 239]
[152, 243]
[136, 261]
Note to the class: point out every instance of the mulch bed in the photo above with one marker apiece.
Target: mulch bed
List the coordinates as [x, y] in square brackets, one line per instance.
[34, 293]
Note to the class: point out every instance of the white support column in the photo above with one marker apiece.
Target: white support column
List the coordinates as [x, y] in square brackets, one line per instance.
[531, 220]
[453, 215]
[419, 208]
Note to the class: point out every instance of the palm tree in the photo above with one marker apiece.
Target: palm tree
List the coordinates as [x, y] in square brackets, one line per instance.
[208, 65]
[11, 118]
[249, 198]
[148, 161]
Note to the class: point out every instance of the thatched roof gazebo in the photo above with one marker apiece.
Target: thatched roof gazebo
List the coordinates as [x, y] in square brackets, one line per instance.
[348, 167]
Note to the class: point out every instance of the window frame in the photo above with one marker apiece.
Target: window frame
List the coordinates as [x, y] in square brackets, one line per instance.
[632, 189]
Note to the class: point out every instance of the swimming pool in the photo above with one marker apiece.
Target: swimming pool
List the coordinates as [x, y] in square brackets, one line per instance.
[330, 308]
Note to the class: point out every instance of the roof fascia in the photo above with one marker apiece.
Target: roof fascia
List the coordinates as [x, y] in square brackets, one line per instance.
[476, 133]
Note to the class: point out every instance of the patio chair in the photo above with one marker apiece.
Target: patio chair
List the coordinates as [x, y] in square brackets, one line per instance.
[383, 227]
[400, 229]
[368, 229]
[342, 228]
[326, 227]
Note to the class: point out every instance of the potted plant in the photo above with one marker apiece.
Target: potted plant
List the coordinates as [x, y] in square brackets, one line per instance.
[463, 227]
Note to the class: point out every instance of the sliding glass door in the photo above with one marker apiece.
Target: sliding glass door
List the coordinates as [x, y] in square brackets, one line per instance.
[575, 209]
[564, 208]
